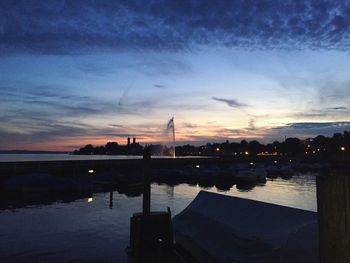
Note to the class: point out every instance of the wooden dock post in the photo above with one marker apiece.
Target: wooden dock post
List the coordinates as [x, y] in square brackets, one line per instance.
[333, 202]
[146, 197]
[151, 233]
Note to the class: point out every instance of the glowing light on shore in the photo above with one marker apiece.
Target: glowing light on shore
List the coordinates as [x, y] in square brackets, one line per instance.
[342, 148]
[90, 200]
[91, 171]
[267, 154]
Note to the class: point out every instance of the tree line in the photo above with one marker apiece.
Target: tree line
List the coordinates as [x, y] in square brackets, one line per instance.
[320, 146]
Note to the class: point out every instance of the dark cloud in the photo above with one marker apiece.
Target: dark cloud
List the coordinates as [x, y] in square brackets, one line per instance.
[116, 125]
[61, 27]
[306, 130]
[333, 112]
[337, 108]
[318, 125]
[123, 135]
[159, 86]
[230, 102]
[311, 114]
[190, 125]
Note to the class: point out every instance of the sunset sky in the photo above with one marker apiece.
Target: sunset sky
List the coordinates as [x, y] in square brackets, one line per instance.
[79, 72]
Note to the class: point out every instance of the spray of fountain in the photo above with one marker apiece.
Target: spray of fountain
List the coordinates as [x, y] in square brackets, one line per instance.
[171, 128]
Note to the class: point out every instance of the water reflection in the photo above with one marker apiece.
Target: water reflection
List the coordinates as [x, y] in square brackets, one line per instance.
[169, 190]
[74, 230]
[285, 191]
[245, 187]
[110, 200]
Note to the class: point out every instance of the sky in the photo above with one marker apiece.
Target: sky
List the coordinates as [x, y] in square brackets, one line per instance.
[79, 72]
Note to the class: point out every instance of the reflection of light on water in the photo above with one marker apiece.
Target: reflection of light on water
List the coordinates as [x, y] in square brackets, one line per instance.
[90, 200]
[88, 231]
[299, 192]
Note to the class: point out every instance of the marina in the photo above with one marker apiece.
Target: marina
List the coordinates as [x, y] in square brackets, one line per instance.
[94, 228]
[174, 131]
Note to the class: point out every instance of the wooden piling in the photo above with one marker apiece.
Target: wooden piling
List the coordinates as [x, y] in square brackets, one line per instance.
[333, 202]
[146, 197]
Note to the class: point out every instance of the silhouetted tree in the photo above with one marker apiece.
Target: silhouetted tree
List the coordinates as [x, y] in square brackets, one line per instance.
[320, 147]
[293, 147]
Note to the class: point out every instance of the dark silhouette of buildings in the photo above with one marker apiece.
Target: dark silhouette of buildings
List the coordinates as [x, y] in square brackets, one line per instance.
[337, 146]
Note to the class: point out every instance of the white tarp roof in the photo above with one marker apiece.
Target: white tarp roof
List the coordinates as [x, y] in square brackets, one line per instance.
[219, 228]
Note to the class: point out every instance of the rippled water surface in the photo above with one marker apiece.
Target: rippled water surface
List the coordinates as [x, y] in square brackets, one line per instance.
[96, 230]
[13, 157]
[29, 157]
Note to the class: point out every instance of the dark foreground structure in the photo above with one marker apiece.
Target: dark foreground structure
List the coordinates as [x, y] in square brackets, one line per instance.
[151, 233]
[219, 228]
[208, 229]
[216, 228]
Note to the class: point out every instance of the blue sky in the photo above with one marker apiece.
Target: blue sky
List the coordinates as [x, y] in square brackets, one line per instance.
[78, 72]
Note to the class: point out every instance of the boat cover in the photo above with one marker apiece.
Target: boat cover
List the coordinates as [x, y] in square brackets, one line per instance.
[220, 228]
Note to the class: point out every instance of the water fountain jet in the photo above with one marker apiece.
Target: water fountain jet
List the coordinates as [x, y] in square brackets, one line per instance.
[171, 127]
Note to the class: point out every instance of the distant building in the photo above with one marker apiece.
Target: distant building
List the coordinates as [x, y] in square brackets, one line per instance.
[128, 143]
[133, 140]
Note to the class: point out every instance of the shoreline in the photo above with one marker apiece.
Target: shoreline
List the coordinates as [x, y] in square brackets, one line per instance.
[27, 166]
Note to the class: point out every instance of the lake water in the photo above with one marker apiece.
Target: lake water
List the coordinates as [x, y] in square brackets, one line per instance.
[19, 157]
[94, 230]
[29, 157]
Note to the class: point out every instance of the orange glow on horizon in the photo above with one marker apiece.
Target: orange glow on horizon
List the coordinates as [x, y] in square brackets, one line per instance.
[200, 134]
[71, 144]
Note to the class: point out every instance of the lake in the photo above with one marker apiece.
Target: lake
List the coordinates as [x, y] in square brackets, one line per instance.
[96, 230]
[29, 157]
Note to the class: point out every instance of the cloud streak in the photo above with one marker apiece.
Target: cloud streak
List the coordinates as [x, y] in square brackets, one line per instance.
[306, 130]
[159, 86]
[337, 108]
[230, 102]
